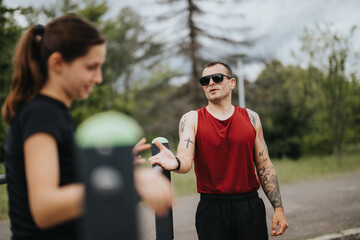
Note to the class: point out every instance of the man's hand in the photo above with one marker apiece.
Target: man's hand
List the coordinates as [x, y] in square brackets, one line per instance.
[164, 158]
[279, 219]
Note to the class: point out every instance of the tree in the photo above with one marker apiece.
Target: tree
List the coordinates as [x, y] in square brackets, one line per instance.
[102, 96]
[352, 135]
[186, 35]
[155, 115]
[93, 10]
[128, 48]
[283, 96]
[9, 34]
[331, 52]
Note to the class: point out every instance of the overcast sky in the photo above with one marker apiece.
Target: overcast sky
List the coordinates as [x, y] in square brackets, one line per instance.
[279, 22]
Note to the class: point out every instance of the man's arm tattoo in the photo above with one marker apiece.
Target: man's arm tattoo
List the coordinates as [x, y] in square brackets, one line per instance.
[252, 119]
[188, 141]
[182, 126]
[261, 158]
[270, 185]
[261, 137]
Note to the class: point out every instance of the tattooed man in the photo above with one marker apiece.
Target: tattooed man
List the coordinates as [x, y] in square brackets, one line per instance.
[227, 146]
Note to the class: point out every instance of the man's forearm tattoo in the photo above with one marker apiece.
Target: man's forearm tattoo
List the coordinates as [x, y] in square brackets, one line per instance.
[270, 185]
[261, 157]
[261, 154]
[188, 141]
[261, 136]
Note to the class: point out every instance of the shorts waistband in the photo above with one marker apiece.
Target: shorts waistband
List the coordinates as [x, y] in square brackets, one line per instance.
[240, 196]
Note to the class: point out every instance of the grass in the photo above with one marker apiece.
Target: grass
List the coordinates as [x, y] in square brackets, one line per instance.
[304, 169]
[184, 184]
[312, 167]
[3, 197]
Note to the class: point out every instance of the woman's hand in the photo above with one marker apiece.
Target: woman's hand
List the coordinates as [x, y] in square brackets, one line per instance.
[139, 147]
[155, 189]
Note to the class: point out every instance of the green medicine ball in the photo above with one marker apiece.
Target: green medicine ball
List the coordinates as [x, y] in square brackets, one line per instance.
[160, 139]
[108, 129]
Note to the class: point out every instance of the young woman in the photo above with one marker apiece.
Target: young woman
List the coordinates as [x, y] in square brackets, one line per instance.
[52, 66]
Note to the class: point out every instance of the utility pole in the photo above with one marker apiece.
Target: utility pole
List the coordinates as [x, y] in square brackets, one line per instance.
[241, 87]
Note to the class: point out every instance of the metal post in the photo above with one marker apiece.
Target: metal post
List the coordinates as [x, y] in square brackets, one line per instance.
[164, 225]
[241, 87]
[107, 166]
[2, 179]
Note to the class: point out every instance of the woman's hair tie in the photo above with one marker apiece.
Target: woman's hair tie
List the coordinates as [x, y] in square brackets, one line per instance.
[39, 31]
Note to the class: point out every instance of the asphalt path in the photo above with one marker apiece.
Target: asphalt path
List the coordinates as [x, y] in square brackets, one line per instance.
[312, 208]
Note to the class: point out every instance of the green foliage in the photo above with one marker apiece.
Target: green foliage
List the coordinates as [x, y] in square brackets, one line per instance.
[282, 97]
[127, 48]
[58, 8]
[312, 167]
[184, 184]
[338, 90]
[312, 110]
[3, 203]
[9, 34]
[153, 106]
[3, 197]
[353, 130]
[103, 98]
[93, 11]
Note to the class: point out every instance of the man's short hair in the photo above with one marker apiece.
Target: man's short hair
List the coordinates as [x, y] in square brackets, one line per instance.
[211, 64]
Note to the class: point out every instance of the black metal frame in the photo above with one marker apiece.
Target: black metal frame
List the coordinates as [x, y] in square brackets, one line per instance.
[2, 179]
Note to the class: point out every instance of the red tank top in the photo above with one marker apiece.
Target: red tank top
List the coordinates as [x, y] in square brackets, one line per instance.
[224, 153]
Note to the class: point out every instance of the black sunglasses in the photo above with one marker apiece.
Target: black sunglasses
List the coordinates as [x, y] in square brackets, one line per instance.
[217, 78]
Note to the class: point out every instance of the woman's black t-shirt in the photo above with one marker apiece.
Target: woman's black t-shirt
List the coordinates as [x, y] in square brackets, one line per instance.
[40, 115]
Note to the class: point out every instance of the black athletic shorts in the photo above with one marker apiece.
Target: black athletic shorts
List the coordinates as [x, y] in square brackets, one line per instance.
[231, 217]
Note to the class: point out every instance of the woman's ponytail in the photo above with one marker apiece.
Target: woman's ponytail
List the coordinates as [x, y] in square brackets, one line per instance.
[70, 35]
[29, 75]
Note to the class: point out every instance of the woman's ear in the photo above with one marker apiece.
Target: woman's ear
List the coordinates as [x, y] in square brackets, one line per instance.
[56, 62]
